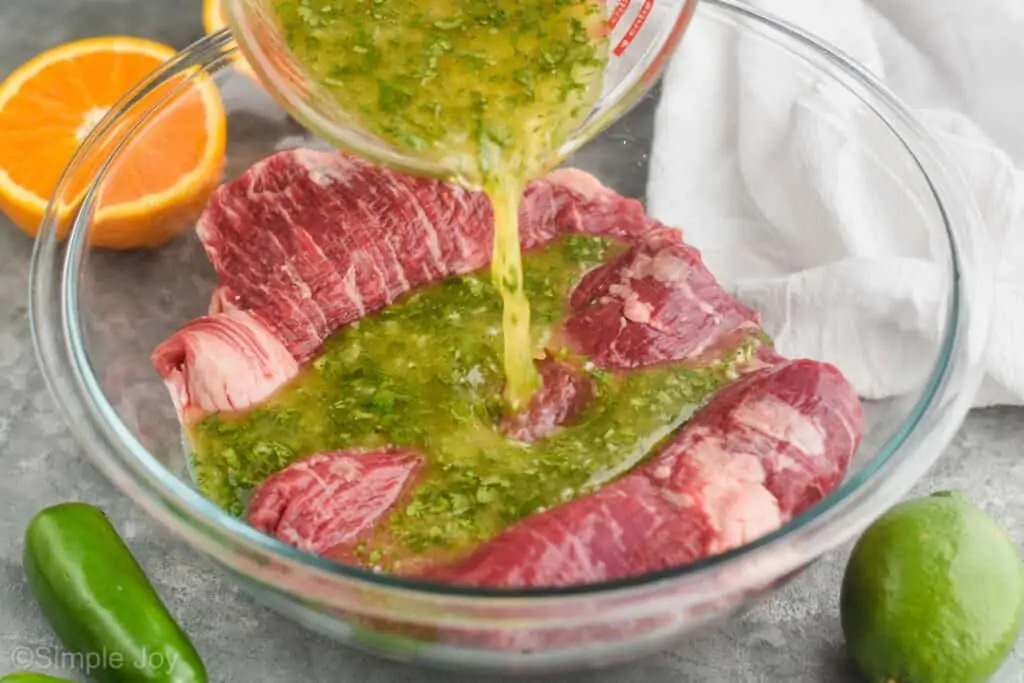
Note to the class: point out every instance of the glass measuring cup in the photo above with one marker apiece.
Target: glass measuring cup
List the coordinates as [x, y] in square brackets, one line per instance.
[643, 35]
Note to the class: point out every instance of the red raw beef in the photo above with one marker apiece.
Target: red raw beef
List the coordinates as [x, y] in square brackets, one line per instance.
[309, 241]
[763, 450]
[656, 303]
[330, 499]
[222, 362]
[306, 242]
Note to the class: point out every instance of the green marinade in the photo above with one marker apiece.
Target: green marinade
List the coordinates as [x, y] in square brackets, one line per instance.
[426, 373]
[488, 90]
[485, 87]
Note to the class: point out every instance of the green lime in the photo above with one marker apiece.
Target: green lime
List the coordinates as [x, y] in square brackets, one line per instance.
[933, 593]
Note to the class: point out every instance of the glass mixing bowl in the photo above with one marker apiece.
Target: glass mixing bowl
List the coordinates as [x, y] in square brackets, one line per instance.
[97, 315]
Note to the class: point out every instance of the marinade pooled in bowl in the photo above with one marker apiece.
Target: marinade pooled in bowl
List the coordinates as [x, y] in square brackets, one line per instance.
[349, 376]
[426, 373]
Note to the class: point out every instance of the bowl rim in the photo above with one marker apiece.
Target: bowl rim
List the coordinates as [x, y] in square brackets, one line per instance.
[937, 412]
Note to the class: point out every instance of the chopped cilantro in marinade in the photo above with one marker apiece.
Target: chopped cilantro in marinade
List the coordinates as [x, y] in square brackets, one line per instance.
[425, 373]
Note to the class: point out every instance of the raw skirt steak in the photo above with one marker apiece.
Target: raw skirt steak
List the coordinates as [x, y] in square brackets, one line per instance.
[328, 499]
[763, 450]
[306, 242]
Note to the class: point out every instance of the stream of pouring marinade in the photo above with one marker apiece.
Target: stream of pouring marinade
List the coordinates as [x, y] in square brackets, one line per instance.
[489, 89]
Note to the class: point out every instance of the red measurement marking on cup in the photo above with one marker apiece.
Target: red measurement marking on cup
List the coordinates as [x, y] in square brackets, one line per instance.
[620, 9]
[638, 23]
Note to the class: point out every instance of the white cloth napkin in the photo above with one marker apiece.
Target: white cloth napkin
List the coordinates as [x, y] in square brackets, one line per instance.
[771, 187]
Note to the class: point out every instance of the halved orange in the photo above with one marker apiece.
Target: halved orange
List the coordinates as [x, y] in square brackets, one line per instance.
[214, 20]
[167, 168]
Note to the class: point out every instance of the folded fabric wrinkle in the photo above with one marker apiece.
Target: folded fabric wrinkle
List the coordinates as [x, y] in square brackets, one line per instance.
[808, 240]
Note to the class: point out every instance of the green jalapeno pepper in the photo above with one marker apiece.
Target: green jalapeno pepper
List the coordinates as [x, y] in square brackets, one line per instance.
[100, 603]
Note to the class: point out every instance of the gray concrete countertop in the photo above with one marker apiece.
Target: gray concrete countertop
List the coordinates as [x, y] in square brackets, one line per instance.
[794, 637]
